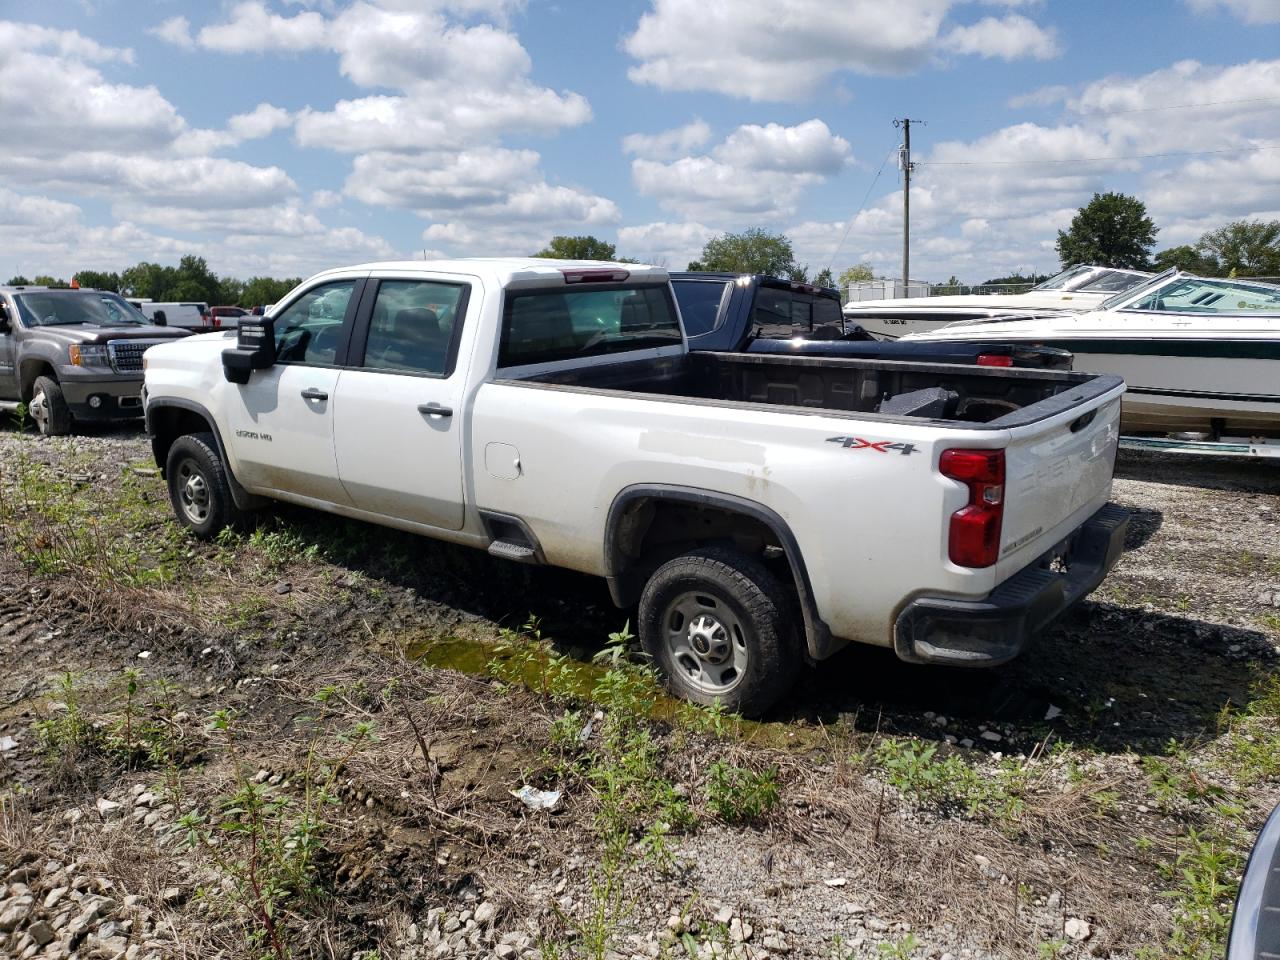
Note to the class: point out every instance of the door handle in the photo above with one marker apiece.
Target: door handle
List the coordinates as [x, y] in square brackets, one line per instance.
[311, 393]
[435, 410]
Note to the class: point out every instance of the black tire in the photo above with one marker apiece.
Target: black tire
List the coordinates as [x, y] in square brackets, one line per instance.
[752, 624]
[199, 489]
[48, 408]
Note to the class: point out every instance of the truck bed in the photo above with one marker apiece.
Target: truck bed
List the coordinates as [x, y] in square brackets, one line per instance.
[939, 392]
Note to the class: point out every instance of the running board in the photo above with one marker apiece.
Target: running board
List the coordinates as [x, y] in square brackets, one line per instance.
[518, 552]
[1225, 447]
[10, 406]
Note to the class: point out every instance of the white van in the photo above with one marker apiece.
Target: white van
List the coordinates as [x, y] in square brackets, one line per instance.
[190, 315]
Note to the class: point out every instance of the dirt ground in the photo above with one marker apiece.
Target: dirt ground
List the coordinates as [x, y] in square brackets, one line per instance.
[303, 741]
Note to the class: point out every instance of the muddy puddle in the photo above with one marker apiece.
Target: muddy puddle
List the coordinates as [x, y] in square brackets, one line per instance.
[534, 665]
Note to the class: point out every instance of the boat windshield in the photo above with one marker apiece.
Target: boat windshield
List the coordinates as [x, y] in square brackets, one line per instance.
[1112, 281]
[1197, 295]
[1119, 300]
[1061, 281]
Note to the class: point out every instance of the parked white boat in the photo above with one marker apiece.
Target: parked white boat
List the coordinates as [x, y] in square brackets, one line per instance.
[1199, 355]
[1079, 288]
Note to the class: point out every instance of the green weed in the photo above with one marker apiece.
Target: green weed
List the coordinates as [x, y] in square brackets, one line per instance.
[736, 795]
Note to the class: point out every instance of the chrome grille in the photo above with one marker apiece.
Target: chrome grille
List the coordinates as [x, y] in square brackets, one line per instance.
[126, 355]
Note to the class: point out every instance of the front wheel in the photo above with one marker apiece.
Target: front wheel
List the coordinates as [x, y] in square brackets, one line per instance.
[198, 486]
[720, 627]
[48, 408]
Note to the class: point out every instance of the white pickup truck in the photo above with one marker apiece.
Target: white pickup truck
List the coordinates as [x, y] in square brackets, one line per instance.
[761, 510]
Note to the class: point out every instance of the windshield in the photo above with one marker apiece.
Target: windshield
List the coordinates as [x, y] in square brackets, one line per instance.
[1125, 296]
[539, 326]
[1112, 281]
[1197, 295]
[55, 308]
[1066, 276]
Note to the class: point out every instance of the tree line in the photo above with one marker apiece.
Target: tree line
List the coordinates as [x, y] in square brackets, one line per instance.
[190, 280]
[1114, 230]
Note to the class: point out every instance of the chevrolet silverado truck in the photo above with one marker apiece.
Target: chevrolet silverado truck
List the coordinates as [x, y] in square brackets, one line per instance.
[72, 355]
[762, 511]
[755, 313]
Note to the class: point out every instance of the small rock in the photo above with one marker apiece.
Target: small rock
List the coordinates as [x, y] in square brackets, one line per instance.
[40, 932]
[740, 931]
[14, 912]
[775, 945]
[1053, 712]
[485, 912]
[7, 744]
[505, 951]
[1077, 929]
[835, 881]
[991, 735]
[109, 809]
[282, 588]
[171, 895]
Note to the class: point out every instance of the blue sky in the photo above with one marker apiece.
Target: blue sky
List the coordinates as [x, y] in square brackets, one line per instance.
[282, 137]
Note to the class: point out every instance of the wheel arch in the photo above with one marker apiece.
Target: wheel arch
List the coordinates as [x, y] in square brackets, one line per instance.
[29, 371]
[169, 418]
[629, 522]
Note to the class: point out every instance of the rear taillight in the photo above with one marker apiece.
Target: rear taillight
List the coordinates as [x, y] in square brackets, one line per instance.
[995, 360]
[975, 528]
[215, 322]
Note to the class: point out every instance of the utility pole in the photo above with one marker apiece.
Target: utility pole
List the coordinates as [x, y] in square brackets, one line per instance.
[904, 161]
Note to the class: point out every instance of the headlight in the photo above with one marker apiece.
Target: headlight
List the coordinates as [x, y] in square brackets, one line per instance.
[89, 355]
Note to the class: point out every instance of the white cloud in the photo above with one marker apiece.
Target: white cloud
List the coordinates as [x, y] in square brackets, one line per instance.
[1008, 38]
[31, 38]
[757, 171]
[669, 143]
[1250, 11]
[673, 244]
[788, 49]
[252, 28]
[175, 30]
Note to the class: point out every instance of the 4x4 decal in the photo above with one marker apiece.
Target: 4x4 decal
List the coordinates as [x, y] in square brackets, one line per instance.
[880, 446]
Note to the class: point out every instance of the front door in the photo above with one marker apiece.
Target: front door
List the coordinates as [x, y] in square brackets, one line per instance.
[282, 419]
[8, 352]
[398, 418]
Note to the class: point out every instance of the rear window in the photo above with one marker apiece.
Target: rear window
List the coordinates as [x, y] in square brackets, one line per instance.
[540, 326]
[700, 303]
[780, 314]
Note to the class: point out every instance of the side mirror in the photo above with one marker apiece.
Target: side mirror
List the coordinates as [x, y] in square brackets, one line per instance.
[159, 319]
[255, 349]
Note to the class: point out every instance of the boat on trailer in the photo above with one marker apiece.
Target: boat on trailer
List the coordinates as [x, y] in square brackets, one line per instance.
[1079, 288]
[1201, 357]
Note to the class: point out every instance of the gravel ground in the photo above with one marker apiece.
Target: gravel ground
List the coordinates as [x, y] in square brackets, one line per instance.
[431, 856]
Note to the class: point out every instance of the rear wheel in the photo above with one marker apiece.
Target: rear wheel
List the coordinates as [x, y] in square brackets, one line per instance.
[199, 488]
[48, 408]
[720, 627]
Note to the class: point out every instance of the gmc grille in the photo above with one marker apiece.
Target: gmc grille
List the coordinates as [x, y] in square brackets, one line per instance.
[126, 355]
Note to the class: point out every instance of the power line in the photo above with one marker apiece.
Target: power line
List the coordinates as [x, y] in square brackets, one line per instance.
[1136, 156]
[1177, 106]
[835, 253]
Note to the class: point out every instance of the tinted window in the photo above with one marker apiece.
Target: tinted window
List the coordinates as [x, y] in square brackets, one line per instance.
[411, 329]
[700, 303]
[544, 325]
[782, 314]
[309, 329]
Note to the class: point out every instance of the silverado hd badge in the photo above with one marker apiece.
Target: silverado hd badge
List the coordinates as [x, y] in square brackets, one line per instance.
[880, 446]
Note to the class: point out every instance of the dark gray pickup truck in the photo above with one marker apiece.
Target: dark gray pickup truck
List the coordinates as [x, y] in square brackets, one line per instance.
[73, 355]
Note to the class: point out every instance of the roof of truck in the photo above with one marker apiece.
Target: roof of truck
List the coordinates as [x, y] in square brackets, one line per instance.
[507, 269]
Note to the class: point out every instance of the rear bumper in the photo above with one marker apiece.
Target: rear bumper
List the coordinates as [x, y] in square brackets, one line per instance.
[113, 399]
[981, 633]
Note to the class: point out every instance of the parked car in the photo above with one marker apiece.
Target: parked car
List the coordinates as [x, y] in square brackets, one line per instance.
[189, 315]
[755, 313]
[72, 355]
[1255, 924]
[223, 318]
[550, 412]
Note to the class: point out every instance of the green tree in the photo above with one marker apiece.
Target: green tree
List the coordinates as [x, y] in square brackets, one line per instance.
[1112, 230]
[1249, 247]
[1187, 257]
[824, 278]
[19, 281]
[98, 280]
[230, 292]
[145, 280]
[264, 291]
[578, 248]
[754, 251]
[44, 280]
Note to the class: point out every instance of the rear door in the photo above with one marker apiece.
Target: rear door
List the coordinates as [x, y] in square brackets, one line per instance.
[8, 352]
[399, 412]
[282, 419]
